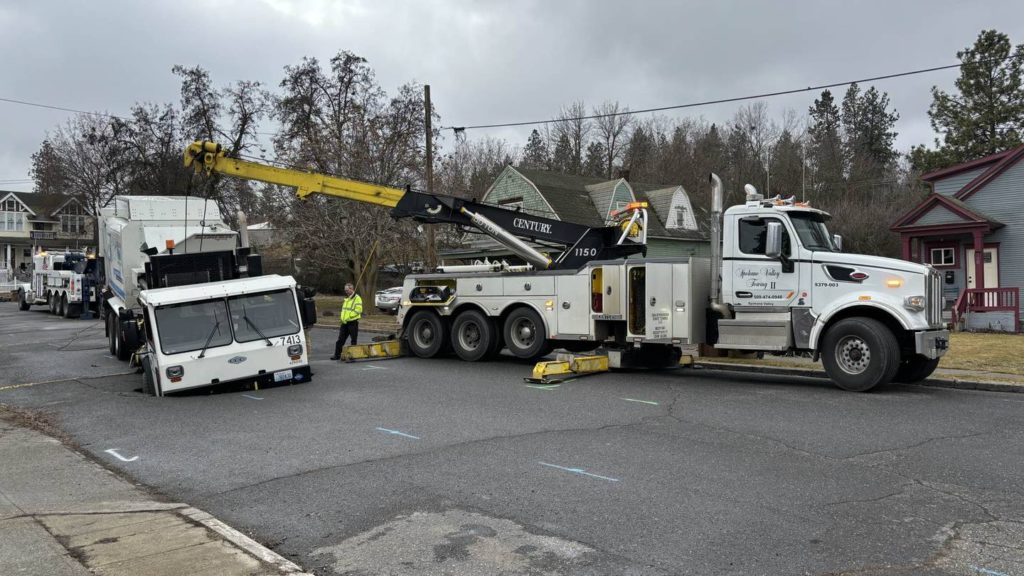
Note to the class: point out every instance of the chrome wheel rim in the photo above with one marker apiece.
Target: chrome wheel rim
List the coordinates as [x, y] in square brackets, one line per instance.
[853, 354]
[524, 333]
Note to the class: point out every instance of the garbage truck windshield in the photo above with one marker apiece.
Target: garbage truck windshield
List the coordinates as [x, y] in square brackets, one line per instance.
[264, 316]
[193, 326]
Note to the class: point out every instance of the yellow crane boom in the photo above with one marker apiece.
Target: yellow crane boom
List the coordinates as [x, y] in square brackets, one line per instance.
[210, 157]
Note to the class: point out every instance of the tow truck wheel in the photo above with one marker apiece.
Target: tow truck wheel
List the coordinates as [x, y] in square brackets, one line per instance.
[22, 302]
[472, 335]
[915, 369]
[51, 299]
[62, 306]
[860, 354]
[524, 334]
[427, 334]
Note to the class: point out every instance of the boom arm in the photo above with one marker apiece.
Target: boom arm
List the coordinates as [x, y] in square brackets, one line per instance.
[579, 243]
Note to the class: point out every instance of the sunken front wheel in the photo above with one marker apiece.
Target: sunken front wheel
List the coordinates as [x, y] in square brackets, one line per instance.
[860, 354]
[473, 335]
[525, 336]
[427, 334]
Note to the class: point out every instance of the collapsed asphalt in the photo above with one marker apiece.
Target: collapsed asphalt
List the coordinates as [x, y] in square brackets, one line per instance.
[681, 472]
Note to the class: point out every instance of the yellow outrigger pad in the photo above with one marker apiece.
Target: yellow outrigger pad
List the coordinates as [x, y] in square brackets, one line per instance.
[374, 351]
[567, 367]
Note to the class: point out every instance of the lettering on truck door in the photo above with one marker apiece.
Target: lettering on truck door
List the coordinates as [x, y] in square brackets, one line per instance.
[758, 280]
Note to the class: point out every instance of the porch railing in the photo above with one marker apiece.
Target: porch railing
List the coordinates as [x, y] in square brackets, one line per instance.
[988, 300]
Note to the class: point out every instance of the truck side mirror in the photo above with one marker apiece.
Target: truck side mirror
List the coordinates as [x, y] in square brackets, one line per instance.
[773, 242]
[838, 241]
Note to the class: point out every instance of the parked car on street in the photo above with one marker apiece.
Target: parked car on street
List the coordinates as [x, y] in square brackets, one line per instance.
[388, 300]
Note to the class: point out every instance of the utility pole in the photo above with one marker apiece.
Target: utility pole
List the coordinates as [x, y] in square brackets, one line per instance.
[431, 240]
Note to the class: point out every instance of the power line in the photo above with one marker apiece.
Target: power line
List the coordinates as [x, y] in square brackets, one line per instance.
[61, 108]
[460, 129]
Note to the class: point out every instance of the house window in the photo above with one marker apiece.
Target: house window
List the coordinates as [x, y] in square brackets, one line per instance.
[72, 224]
[12, 221]
[943, 257]
[514, 203]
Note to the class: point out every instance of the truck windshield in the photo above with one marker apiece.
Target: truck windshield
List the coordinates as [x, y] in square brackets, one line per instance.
[187, 327]
[810, 226]
[266, 315]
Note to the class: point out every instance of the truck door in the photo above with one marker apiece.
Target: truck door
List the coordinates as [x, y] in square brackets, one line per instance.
[757, 280]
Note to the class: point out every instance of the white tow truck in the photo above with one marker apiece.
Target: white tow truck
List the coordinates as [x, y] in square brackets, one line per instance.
[59, 281]
[777, 282]
[191, 307]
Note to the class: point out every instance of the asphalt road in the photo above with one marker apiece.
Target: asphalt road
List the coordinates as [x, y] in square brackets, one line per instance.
[414, 466]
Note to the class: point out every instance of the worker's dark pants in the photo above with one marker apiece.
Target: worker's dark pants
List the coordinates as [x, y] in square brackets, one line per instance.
[347, 329]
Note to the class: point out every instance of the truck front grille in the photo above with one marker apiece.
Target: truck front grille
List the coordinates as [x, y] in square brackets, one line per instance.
[933, 286]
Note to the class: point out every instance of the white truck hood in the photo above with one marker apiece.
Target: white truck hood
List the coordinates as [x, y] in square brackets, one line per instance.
[866, 261]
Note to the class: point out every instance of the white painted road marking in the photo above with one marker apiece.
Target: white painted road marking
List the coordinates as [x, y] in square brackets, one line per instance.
[251, 397]
[397, 433]
[372, 367]
[578, 471]
[652, 403]
[113, 452]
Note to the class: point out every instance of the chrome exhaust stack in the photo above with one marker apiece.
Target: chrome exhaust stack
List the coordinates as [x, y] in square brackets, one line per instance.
[717, 198]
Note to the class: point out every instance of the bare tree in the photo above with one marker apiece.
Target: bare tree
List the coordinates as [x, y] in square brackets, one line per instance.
[612, 127]
[571, 124]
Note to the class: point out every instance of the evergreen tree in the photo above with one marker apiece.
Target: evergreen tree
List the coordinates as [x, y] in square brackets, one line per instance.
[562, 159]
[640, 153]
[826, 145]
[870, 130]
[594, 164]
[535, 154]
[987, 115]
[786, 170]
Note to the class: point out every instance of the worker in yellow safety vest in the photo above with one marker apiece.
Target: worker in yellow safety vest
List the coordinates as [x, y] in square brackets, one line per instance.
[351, 312]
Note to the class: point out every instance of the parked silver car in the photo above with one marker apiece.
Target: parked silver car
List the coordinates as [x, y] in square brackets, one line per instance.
[388, 300]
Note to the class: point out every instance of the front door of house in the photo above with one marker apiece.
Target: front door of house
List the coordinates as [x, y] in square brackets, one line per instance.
[991, 270]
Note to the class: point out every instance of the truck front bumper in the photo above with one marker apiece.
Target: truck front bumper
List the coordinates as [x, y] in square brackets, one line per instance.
[931, 343]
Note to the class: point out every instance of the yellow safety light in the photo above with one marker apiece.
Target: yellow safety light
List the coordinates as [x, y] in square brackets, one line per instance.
[894, 283]
[864, 298]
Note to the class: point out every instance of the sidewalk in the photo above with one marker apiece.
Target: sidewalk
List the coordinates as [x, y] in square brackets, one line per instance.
[64, 515]
[796, 366]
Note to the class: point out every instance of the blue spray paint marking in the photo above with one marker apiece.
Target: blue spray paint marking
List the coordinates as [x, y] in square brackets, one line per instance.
[987, 571]
[397, 433]
[578, 471]
[251, 397]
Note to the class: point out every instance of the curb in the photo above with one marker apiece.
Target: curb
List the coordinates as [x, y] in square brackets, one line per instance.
[813, 373]
[243, 542]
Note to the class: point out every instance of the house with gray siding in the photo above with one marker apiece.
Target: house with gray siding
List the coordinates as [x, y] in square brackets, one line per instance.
[971, 228]
[675, 227]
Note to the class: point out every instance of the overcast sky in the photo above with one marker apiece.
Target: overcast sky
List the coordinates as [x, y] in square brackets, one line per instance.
[487, 62]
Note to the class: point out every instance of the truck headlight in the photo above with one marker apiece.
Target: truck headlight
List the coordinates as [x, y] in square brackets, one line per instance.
[295, 351]
[914, 303]
[175, 373]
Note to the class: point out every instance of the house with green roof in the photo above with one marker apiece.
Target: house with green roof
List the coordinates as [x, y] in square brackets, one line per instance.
[675, 226]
